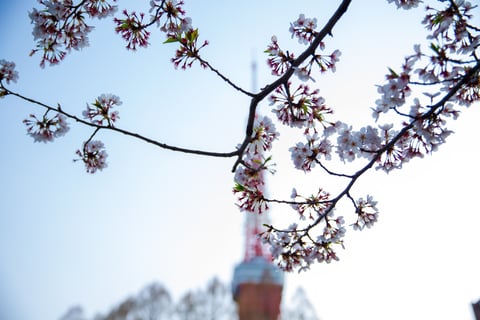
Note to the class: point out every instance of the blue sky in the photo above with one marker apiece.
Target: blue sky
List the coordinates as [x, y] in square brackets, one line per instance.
[67, 237]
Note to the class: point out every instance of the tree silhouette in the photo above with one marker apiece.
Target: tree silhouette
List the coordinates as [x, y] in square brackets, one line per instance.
[214, 302]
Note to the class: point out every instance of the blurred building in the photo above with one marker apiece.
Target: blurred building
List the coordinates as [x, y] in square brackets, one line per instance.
[257, 290]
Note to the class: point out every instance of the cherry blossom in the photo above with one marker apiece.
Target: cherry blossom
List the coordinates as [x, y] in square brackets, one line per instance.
[7, 71]
[302, 108]
[406, 4]
[313, 206]
[417, 99]
[304, 29]
[99, 8]
[169, 17]
[367, 213]
[61, 26]
[279, 61]
[264, 135]
[100, 112]
[133, 30]
[295, 249]
[306, 155]
[250, 175]
[175, 21]
[93, 156]
[189, 51]
[46, 129]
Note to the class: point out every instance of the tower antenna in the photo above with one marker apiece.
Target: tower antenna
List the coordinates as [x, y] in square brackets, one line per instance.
[254, 76]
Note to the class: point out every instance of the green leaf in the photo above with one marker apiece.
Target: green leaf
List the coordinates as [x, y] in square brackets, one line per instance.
[438, 19]
[192, 35]
[171, 40]
[239, 187]
[393, 73]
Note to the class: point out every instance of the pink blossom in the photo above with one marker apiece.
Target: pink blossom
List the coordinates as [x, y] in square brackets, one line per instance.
[251, 174]
[305, 156]
[100, 112]
[7, 71]
[369, 140]
[264, 134]
[133, 30]
[93, 156]
[303, 29]
[250, 199]
[189, 50]
[406, 4]
[367, 213]
[99, 8]
[278, 60]
[61, 26]
[302, 108]
[46, 129]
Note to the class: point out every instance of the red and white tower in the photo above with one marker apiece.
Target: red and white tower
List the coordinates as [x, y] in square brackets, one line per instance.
[257, 282]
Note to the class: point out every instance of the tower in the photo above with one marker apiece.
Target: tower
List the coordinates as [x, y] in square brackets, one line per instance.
[257, 283]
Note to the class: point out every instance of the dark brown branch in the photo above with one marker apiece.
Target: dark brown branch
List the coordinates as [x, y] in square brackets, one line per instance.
[125, 132]
[257, 98]
[353, 178]
[466, 78]
[224, 78]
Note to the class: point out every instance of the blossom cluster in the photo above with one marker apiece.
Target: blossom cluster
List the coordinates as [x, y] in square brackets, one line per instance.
[100, 112]
[315, 205]
[367, 213]
[250, 175]
[169, 16]
[133, 30]
[304, 29]
[454, 42]
[447, 73]
[302, 108]
[7, 71]
[406, 4]
[454, 47]
[296, 249]
[46, 129]
[306, 155]
[175, 20]
[189, 49]
[93, 155]
[397, 89]
[279, 61]
[60, 26]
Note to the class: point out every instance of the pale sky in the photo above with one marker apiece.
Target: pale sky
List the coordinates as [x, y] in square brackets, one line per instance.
[68, 237]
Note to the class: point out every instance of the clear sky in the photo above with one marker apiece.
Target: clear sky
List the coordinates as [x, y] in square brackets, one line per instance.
[68, 237]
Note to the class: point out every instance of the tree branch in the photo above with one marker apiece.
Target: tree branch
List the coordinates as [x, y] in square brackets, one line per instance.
[257, 98]
[123, 131]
